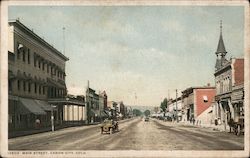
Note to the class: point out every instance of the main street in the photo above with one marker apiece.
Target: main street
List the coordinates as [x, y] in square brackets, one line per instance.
[134, 134]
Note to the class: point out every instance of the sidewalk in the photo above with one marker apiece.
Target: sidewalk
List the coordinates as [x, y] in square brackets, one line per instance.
[14, 134]
[208, 127]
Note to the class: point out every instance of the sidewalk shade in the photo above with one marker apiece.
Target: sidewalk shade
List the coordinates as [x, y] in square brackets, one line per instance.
[30, 106]
[44, 105]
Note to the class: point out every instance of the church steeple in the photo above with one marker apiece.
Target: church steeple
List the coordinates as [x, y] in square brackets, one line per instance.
[221, 47]
[220, 61]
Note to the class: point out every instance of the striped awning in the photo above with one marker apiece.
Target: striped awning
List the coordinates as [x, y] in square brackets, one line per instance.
[30, 106]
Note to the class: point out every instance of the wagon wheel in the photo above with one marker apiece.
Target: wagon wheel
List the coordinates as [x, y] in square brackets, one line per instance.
[105, 129]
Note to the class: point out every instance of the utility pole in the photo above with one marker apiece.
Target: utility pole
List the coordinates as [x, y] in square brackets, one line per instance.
[176, 105]
[63, 40]
[87, 103]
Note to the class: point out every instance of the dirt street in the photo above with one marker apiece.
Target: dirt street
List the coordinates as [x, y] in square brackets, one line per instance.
[134, 134]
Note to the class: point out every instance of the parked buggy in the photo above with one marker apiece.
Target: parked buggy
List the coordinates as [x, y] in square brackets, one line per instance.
[237, 125]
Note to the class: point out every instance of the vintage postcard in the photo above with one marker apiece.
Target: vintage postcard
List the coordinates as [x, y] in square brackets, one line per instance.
[124, 78]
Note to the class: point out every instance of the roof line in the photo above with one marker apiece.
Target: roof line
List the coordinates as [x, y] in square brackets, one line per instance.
[39, 38]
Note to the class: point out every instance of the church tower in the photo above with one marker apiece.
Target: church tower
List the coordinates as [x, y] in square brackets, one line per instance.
[221, 51]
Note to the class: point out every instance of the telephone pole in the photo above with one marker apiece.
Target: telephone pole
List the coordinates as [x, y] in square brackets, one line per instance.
[176, 106]
[63, 40]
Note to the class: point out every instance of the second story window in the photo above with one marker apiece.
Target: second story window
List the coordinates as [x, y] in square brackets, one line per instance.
[47, 68]
[34, 60]
[43, 65]
[39, 64]
[24, 56]
[29, 87]
[35, 87]
[28, 56]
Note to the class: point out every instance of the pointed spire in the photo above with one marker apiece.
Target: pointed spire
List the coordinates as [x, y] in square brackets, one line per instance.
[221, 47]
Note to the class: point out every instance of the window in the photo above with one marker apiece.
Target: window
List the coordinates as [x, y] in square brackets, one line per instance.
[10, 118]
[29, 87]
[18, 84]
[35, 87]
[43, 65]
[19, 48]
[39, 89]
[28, 56]
[18, 54]
[10, 85]
[43, 90]
[205, 99]
[35, 59]
[39, 64]
[24, 56]
[47, 68]
[24, 86]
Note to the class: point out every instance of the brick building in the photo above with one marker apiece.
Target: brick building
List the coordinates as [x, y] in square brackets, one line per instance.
[195, 101]
[229, 81]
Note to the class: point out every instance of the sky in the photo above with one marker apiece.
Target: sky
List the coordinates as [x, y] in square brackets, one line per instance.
[137, 54]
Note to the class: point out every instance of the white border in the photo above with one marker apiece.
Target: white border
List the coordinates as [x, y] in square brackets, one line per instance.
[128, 153]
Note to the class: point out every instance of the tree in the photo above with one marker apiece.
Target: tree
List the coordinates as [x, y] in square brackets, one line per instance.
[137, 112]
[164, 105]
[146, 112]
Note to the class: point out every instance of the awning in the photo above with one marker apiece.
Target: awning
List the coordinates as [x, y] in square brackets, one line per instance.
[44, 105]
[32, 107]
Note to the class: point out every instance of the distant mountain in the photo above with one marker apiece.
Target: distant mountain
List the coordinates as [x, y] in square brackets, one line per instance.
[142, 108]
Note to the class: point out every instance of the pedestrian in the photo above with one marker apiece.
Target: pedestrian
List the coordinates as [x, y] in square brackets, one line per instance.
[37, 123]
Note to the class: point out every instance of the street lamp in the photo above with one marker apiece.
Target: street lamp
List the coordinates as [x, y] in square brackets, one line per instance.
[52, 117]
